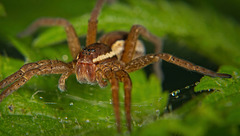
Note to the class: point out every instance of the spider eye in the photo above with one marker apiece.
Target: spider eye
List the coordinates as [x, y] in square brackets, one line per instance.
[88, 51]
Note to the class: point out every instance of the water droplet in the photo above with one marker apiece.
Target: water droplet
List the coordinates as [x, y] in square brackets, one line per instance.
[65, 57]
[66, 117]
[219, 84]
[170, 107]
[76, 121]
[196, 83]
[100, 102]
[228, 104]
[178, 91]
[10, 107]
[71, 104]
[110, 101]
[41, 97]
[158, 113]
[138, 111]
[159, 99]
[87, 120]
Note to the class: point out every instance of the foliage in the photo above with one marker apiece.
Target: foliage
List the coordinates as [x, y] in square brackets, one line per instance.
[2, 11]
[39, 108]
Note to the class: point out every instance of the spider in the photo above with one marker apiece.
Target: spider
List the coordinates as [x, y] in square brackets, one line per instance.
[109, 59]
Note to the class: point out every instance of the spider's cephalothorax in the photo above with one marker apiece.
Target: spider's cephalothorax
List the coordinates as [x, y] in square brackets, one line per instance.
[98, 63]
[88, 59]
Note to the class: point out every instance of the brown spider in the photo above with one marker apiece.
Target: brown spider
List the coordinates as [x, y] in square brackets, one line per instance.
[111, 58]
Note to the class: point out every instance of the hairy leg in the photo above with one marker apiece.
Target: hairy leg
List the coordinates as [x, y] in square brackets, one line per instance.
[106, 72]
[92, 23]
[116, 40]
[112, 38]
[38, 68]
[10, 79]
[132, 38]
[72, 38]
[124, 77]
[100, 79]
[62, 80]
[130, 46]
[151, 58]
[115, 100]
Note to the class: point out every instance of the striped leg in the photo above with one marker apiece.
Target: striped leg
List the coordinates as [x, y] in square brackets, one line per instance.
[72, 38]
[29, 70]
[143, 61]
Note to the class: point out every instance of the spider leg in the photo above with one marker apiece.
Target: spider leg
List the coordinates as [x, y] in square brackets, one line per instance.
[72, 38]
[92, 23]
[38, 68]
[62, 80]
[99, 78]
[111, 37]
[130, 46]
[115, 99]
[10, 79]
[124, 77]
[115, 75]
[116, 40]
[105, 72]
[143, 61]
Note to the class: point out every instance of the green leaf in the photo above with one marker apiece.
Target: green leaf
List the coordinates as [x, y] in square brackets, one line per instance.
[202, 30]
[39, 108]
[208, 114]
[84, 109]
[2, 10]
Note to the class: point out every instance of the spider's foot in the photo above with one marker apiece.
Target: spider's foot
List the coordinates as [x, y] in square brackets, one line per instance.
[62, 88]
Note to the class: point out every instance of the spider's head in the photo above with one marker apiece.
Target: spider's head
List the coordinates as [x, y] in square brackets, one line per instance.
[88, 58]
[96, 53]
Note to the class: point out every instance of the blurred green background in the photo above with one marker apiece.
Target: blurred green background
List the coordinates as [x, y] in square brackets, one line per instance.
[205, 32]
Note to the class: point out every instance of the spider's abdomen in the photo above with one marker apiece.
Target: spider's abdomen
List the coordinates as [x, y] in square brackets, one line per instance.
[89, 58]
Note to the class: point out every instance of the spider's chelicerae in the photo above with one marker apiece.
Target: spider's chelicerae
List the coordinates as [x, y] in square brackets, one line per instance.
[110, 58]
